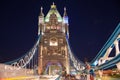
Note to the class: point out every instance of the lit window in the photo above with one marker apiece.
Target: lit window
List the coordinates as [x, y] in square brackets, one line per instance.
[53, 42]
[58, 27]
[45, 41]
[48, 27]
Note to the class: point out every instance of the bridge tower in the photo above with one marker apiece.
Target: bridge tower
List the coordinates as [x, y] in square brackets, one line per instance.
[53, 50]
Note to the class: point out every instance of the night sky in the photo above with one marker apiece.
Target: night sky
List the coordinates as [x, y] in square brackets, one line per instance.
[91, 22]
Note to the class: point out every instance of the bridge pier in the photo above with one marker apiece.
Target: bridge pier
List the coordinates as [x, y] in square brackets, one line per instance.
[100, 72]
[88, 76]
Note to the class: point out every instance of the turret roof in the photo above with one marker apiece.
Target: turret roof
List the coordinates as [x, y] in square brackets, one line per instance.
[53, 10]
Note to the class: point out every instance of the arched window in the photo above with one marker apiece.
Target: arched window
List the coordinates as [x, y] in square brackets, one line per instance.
[53, 42]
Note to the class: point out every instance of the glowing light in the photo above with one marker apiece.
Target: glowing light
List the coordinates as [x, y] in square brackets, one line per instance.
[47, 20]
[65, 20]
[41, 20]
[53, 43]
[22, 78]
[59, 20]
[95, 63]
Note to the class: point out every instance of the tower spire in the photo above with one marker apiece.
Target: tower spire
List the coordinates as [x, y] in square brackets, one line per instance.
[53, 5]
[41, 12]
[65, 13]
[41, 8]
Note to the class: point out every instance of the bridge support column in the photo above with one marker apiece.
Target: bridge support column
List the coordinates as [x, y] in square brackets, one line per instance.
[40, 67]
[117, 52]
[88, 76]
[67, 61]
[67, 69]
[100, 72]
[117, 47]
[118, 66]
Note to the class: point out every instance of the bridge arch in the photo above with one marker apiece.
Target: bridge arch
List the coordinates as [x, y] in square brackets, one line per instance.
[53, 68]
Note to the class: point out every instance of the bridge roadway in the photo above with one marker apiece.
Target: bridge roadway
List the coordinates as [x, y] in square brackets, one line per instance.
[43, 77]
[8, 72]
[35, 78]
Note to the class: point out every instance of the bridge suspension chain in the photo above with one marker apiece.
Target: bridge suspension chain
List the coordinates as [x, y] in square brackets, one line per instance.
[78, 65]
[28, 60]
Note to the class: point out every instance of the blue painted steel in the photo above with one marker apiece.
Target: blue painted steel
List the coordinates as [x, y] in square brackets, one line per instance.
[110, 63]
[107, 44]
[59, 77]
[65, 19]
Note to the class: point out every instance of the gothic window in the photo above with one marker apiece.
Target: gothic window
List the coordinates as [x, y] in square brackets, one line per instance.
[45, 50]
[53, 18]
[53, 42]
[48, 27]
[45, 41]
[63, 53]
[61, 41]
[58, 27]
[53, 27]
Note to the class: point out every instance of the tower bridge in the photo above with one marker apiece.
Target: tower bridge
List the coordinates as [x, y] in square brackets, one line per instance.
[52, 54]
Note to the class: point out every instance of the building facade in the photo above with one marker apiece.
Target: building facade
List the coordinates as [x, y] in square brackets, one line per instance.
[53, 50]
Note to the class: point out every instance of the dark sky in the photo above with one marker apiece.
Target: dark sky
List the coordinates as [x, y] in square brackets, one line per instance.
[91, 22]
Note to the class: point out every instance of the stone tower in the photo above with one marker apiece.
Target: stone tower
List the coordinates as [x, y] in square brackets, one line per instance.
[53, 50]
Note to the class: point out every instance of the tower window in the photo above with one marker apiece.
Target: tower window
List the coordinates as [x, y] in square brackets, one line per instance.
[45, 41]
[53, 27]
[53, 42]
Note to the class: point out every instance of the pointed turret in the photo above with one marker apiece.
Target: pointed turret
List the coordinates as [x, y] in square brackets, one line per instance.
[65, 13]
[65, 22]
[41, 21]
[65, 17]
[41, 12]
[41, 17]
